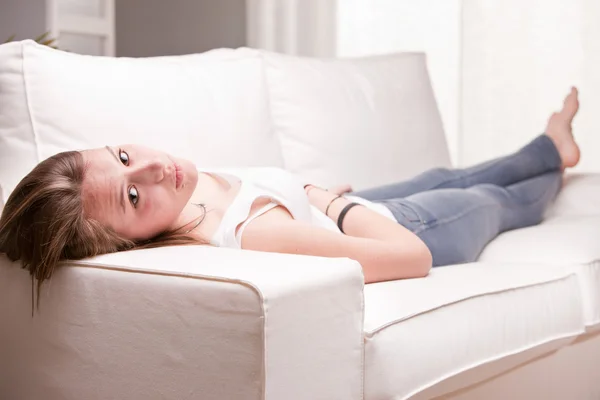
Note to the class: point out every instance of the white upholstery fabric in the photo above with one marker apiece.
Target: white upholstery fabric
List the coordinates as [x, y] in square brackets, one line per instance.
[570, 241]
[569, 373]
[201, 322]
[420, 332]
[191, 322]
[211, 108]
[367, 122]
[580, 195]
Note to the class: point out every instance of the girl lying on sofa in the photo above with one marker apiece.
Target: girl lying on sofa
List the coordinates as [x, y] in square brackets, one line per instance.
[79, 204]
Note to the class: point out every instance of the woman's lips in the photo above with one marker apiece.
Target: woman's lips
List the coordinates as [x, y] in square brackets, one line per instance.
[178, 176]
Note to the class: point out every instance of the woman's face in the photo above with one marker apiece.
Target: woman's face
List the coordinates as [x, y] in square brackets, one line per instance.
[137, 191]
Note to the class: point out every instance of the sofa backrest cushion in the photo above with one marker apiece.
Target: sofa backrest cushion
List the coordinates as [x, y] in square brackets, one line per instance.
[366, 121]
[211, 108]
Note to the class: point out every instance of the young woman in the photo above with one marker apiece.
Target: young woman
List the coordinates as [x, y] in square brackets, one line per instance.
[80, 204]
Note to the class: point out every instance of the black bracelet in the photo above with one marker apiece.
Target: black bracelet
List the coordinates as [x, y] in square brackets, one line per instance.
[330, 203]
[343, 215]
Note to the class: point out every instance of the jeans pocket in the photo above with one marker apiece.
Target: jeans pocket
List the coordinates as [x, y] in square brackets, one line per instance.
[406, 214]
[418, 217]
[410, 214]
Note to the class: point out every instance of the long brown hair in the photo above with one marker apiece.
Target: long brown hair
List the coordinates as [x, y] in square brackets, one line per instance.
[43, 221]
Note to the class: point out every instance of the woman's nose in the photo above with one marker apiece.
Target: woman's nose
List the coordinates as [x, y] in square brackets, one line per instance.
[147, 172]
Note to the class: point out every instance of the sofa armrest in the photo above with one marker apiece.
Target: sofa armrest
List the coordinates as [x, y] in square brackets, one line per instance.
[185, 322]
[580, 195]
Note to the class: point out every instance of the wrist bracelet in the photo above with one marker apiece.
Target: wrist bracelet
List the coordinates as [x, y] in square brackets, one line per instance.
[330, 203]
[342, 215]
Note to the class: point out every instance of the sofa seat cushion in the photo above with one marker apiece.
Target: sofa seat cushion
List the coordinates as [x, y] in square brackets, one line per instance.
[423, 331]
[569, 241]
[580, 195]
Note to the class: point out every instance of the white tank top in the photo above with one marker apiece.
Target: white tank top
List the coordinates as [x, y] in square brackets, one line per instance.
[281, 188]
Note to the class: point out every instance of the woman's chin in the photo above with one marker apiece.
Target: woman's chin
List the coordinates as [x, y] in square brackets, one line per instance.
[188, 166]
[191, 177]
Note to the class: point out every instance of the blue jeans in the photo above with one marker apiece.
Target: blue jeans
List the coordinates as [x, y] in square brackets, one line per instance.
[458, 212]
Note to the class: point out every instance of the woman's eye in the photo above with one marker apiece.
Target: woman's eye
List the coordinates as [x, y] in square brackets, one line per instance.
[124, 157]
[132, 193]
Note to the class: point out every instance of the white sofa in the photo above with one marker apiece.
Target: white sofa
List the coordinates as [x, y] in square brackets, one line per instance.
[208, 323]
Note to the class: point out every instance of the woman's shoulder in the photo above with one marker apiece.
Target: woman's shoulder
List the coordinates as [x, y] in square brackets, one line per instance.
[259, 172]
[233, 169]
[263, 176]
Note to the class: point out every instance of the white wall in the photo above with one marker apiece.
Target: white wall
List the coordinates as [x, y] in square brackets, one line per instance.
[519, 60]
[147, 28]
[432, 26]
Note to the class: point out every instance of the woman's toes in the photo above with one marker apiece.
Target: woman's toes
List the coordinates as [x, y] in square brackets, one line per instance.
[560, 131]
[570, 105]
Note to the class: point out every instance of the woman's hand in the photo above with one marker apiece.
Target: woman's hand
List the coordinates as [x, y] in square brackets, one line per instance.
[341, 189]
[336, 190]
[322, 198]
[385, 249]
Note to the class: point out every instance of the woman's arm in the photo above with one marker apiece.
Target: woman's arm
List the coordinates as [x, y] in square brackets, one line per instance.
[386, 250]
[360, 221]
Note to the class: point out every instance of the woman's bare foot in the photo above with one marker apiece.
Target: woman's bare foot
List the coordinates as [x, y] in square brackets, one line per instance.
[559, 130]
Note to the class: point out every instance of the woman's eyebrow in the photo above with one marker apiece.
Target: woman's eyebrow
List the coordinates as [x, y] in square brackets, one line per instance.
[112, 153]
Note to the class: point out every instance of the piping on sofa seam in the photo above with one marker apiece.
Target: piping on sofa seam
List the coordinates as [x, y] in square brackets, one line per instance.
[256, 290]
[566, 335]
[121, 268]
[28, 104]
[596, 322]
[372, 333]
